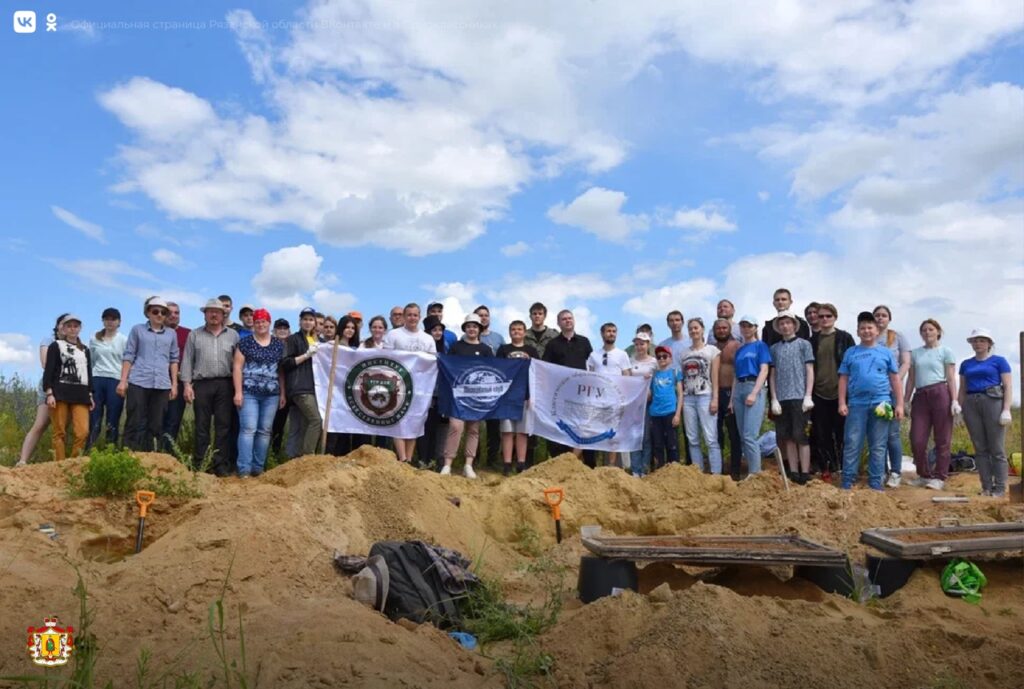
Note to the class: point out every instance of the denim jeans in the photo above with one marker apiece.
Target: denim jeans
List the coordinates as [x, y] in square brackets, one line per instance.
[697, 418]
[104, 394]
[861, 425]
[640, 460]
[256, 421]
[749, 420]
[894, 448]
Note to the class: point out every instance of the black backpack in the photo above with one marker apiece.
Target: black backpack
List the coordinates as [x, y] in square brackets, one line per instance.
[416, 591]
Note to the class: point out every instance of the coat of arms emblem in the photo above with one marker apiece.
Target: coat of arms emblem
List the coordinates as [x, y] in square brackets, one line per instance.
[51, 644]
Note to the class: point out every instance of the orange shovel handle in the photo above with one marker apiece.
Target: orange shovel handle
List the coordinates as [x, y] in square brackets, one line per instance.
[144, 498]
[554, 497]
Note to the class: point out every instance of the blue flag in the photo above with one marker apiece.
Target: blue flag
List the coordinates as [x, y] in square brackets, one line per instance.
[474, 388]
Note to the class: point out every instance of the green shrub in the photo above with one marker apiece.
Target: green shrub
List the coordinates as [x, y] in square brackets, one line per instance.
[107, 473]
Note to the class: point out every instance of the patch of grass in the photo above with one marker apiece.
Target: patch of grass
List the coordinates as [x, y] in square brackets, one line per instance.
[508, 633]
[527, 540]
[108, 473]
[113, 473]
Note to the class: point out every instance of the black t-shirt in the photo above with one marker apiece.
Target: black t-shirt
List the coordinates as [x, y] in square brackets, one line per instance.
[510, 351]
[463, 348]
[572, 353]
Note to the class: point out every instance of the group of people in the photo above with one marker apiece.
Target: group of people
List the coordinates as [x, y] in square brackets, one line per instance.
[828, 394]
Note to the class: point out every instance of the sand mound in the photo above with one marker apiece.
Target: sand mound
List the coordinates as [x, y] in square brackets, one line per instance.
[277, 534]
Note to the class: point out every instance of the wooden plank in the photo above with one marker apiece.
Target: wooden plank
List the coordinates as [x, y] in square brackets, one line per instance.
[945, 541]
[716, 550]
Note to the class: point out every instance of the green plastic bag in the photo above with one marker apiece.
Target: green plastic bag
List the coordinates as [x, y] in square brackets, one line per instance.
[963, 578]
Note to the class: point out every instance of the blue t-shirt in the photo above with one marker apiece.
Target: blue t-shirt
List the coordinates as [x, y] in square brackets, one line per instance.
[867, 370]
[749, 358]
[663, 392]
[983, 374]
[259, 372]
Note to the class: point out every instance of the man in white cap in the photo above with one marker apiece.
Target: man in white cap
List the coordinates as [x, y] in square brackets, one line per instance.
[149, 376]
[206, 370]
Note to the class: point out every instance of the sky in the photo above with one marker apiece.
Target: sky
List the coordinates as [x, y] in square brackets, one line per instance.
[617, 159]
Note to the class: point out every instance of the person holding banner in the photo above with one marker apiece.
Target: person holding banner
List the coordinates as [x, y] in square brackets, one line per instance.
[571, 350]
[408, 338]
[430, 445]
[513, 433]
[666, 409]
[346, 334]
[469, 345]
[644, 365]
[378, 328]
[299, 388]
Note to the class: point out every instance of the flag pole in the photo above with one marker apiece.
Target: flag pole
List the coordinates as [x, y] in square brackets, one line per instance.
[330, 394]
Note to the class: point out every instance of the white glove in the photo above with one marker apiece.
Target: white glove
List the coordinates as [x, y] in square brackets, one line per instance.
[1005, 419]
[313, 348]
[776, 408]
[808, 404]
[954, 408]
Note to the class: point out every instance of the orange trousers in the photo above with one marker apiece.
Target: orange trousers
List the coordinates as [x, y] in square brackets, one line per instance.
[79, 416]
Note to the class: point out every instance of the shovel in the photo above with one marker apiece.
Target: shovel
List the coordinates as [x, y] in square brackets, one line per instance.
[144, 498]
[554, 497]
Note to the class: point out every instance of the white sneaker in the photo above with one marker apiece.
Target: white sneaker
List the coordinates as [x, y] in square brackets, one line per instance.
[918, 482]
[935, 484]
[894, 480]
[468, 472]
[446, 471]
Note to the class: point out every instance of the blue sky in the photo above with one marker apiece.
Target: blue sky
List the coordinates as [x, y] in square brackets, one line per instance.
[620, 161]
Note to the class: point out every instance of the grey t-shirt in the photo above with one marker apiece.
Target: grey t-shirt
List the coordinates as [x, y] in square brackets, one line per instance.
[900, 343]
[789, 358]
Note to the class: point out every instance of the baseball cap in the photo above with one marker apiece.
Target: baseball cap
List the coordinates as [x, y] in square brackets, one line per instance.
[642, 336]
[662, 350]
[355, 314]
[308, 311]
[749, 319]
[977, 332]
[435, 305]
[246, 307]
[156, 301]
[282, 323]
[111, 312]
[71, 317]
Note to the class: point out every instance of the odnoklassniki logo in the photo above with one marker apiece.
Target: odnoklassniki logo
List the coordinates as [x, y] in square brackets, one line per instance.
[480, 387]
[379, 391]
[51, 644]
[587, 408]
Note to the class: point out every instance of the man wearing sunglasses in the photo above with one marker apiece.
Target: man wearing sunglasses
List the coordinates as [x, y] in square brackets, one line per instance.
[612, 360]
[149, 376]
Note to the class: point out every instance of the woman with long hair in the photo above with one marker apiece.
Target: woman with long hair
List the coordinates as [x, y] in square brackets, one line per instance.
[107, 350]
[898, 344]
[378, 328]
[67, 382]
[986, 390]
[42, 420]
[931, 382]
[346, 335]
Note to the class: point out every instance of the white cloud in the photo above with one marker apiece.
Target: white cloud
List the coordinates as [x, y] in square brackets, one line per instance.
[599, 211]
[16, 349]
[158, 112]
[171, 259]
[89, 229]
[704, 219]
[516, 249]
[693, 297]
[333, 303]
[286, 276]
[763, 196]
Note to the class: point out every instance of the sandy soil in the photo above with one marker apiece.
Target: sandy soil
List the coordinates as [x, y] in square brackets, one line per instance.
[725, 627]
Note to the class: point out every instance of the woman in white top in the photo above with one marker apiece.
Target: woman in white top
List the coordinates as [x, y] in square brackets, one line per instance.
[107, 349]
[28, 446]
[378, 328]
[699, 366]
[642, 364]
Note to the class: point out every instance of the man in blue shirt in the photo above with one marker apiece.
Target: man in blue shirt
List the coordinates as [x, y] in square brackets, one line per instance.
[868, 383]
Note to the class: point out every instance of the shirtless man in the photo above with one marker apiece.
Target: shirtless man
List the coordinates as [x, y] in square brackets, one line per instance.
[727, 345]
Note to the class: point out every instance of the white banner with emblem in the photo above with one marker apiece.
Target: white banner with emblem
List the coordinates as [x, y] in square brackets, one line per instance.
[584, 409]
[375, 391]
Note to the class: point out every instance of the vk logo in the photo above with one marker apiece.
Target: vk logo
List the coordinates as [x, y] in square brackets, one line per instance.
[24, 21]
